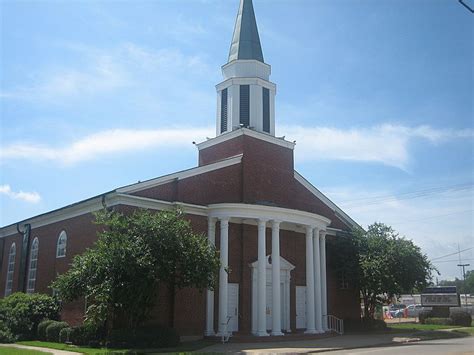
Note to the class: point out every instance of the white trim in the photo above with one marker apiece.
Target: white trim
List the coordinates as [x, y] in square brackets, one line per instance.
[62, 235]
[339, 213]
[181, 175]
[247, 132]
[247, 211]
[95, 204]
[246, 81]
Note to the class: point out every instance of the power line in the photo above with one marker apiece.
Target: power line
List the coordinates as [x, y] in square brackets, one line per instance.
[444, 256]
[405, 195]
[450, 261]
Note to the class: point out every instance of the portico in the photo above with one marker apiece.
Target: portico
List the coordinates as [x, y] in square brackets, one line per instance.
[276, 218]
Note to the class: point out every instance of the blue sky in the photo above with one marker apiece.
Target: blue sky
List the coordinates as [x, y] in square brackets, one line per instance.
[378, 95]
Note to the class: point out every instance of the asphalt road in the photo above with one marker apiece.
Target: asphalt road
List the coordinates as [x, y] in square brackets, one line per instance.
[444, 346]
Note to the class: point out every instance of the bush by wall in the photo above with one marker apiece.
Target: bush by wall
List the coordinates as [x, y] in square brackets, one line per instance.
[439, 321]
[83, 334]
[6, 335]
[21, 313]
[460, 317]
[52, 331]
[423, 315]
[152, 336]
[64, 335]
[41, 332]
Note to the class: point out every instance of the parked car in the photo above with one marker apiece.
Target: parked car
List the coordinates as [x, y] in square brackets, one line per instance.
[395, 309]
[412, 311]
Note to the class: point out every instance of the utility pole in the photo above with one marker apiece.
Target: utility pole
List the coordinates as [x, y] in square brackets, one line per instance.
[464, 277]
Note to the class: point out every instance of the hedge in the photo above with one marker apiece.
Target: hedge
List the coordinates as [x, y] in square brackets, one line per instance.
[41, 333]
[462, 318]
[65, 335]
[21, 313]
[52, 331]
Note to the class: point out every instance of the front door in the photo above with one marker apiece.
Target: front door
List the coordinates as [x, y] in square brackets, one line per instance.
[233, 307]
[300, 307]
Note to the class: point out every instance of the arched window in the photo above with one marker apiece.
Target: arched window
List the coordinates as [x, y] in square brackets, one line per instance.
[10, 270]
[33, 266]
[61, 246]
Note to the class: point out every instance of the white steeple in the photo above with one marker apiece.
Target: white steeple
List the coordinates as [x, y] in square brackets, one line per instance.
[246, 97]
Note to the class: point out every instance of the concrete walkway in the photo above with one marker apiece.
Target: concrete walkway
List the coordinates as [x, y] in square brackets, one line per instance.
[47, 351]
[311, 346]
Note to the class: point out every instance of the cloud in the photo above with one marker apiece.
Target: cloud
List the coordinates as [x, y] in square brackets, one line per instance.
[98, 71]
[104, 143]
[436, 221]
[31, 197]
[386, 144]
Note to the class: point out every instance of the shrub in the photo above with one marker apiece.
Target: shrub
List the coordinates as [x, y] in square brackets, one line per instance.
[423, 315]
[462, 318]
[151, 336]
[52, 331]
[438, 321]
[22, 312]
[65, 335]
[6, 335]
[83, 334]
[41, 333]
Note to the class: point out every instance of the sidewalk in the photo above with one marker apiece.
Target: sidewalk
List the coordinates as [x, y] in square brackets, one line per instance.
[307, 346]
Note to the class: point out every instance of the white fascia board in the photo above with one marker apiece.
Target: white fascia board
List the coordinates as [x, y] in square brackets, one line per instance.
[181, 175]
[98, 203]
[267, 213]
[339, 212]
[247, 132]
[246, 81]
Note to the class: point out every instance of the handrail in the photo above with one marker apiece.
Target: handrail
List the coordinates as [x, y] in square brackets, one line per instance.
[335, 324]
[225, 336]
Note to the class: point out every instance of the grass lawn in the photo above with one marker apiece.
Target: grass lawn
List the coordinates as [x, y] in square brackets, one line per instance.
[434, 331]
[184, 347]
[418, 326]
[15, 351]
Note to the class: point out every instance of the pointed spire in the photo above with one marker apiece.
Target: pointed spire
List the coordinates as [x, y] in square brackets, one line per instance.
[246, 42]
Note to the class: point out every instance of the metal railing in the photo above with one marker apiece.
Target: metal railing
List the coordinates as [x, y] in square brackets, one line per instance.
[225, 336]
[335, 324]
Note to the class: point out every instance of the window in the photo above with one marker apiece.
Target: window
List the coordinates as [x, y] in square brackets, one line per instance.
[61, 246]
[343, 281]
[33, 266]
[224, 110]
[245, 105]
[10, 270]
[266, 110]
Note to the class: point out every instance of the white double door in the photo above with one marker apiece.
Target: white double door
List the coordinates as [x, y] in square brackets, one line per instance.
[233, 307]
[269, 307]
[300, 307]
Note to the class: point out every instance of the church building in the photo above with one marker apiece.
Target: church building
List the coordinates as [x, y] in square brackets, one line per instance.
[277, 233]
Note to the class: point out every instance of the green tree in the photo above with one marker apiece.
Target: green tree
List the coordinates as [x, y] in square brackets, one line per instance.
[133, 255]
[462, 287]
[382, 265]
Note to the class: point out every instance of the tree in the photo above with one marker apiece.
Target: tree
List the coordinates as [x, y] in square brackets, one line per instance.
[462, 287]
[134, 254]
[382, 265]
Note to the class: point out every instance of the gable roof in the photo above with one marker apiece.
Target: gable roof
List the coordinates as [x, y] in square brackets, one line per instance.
[343, 216]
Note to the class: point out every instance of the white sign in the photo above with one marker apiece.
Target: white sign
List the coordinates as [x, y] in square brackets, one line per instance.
[440, 299]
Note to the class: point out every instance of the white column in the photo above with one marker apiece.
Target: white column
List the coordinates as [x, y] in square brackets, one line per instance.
[276, 306]
[309, 282]
[211, 235]
[324, 296]
[261, 280]
[223, 277]
[317, 283]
